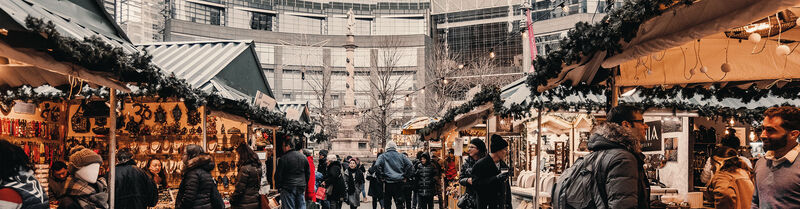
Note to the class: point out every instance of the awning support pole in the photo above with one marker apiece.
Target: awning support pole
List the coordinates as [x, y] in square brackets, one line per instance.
[538, 158]
[112, 145]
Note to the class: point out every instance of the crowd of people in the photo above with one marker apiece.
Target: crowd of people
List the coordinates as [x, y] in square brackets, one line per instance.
[616, 160]
[79, 183]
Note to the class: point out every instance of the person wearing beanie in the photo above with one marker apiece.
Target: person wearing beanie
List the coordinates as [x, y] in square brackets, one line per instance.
[84, 189]
[490, 177]
[476, 150]
[134, 188]
[395, 169]
[198, 189]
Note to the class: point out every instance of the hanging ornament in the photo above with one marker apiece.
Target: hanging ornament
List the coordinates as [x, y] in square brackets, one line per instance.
[754, 38]
[726, 68]
[703, 69]
[782, 50]
[691, 71]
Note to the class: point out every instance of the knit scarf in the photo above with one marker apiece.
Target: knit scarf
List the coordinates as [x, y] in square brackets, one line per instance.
[87, 195]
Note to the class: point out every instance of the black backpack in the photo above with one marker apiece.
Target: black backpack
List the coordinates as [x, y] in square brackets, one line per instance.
[577, 186]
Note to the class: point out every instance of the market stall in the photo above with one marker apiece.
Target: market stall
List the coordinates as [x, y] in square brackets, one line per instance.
[690, 64]
[34, 59]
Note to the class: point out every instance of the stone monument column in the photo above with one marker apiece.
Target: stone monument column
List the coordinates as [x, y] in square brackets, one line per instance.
[350, 47]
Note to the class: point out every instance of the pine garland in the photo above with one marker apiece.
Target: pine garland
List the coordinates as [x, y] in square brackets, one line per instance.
[586, 39]
[95, 55]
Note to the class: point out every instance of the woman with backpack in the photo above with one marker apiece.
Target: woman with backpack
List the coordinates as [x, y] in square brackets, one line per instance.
[731, 183]
[426, 174]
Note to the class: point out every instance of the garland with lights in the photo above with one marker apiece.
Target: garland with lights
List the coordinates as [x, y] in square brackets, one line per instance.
[655, 98]
[93, 54]
[585, 39]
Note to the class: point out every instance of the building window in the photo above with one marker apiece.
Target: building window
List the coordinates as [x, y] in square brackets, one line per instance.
[204, 14]
[261, 21]
[362, 145]
[287, 96]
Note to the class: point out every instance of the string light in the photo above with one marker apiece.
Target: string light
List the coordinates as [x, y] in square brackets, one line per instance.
[732, 122]
[491, 54]
[408, 98]
[461, 66]
[445, 81]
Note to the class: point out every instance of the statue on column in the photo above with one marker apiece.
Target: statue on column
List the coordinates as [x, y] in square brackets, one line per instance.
[351, 22]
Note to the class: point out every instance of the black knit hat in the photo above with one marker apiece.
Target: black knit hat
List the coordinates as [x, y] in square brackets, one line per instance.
[479, 145]
[498, 143]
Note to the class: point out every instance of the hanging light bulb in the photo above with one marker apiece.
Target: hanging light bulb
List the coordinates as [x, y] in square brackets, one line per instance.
[732, 122]
[726, 68]
[461, 66]
[491, 54]
[727, 132]
[782, 50]
[408, 98]
[703, 69]
[754, 38]
[445, 81]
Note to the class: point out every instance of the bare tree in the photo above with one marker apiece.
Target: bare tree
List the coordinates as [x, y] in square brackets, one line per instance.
[324, 114]
[441, 92]
[385, 82]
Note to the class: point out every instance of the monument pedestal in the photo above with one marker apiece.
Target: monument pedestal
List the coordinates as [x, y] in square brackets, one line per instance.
[349, 141]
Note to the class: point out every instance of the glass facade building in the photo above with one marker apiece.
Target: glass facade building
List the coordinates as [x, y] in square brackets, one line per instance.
[296, 39]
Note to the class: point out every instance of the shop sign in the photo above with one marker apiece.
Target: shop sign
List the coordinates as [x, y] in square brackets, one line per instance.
[25, 108]
[263, 100]
[652, 141]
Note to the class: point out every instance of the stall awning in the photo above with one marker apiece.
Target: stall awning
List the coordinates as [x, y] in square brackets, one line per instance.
[411, 127]
[230, 67]
[77, 19]
[666, 48]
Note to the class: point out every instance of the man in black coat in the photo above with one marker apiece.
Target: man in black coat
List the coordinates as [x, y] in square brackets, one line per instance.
[494, 190]
[135, 189]
[198, 189]
[291, 177]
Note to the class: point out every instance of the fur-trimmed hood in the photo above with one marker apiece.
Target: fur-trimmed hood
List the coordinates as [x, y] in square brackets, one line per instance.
[203, 161]
[610, 136]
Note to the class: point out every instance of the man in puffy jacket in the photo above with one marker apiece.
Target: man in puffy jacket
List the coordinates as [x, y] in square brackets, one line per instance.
[394, 169]
[135, 189]
[617, 144]
[291, 177]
